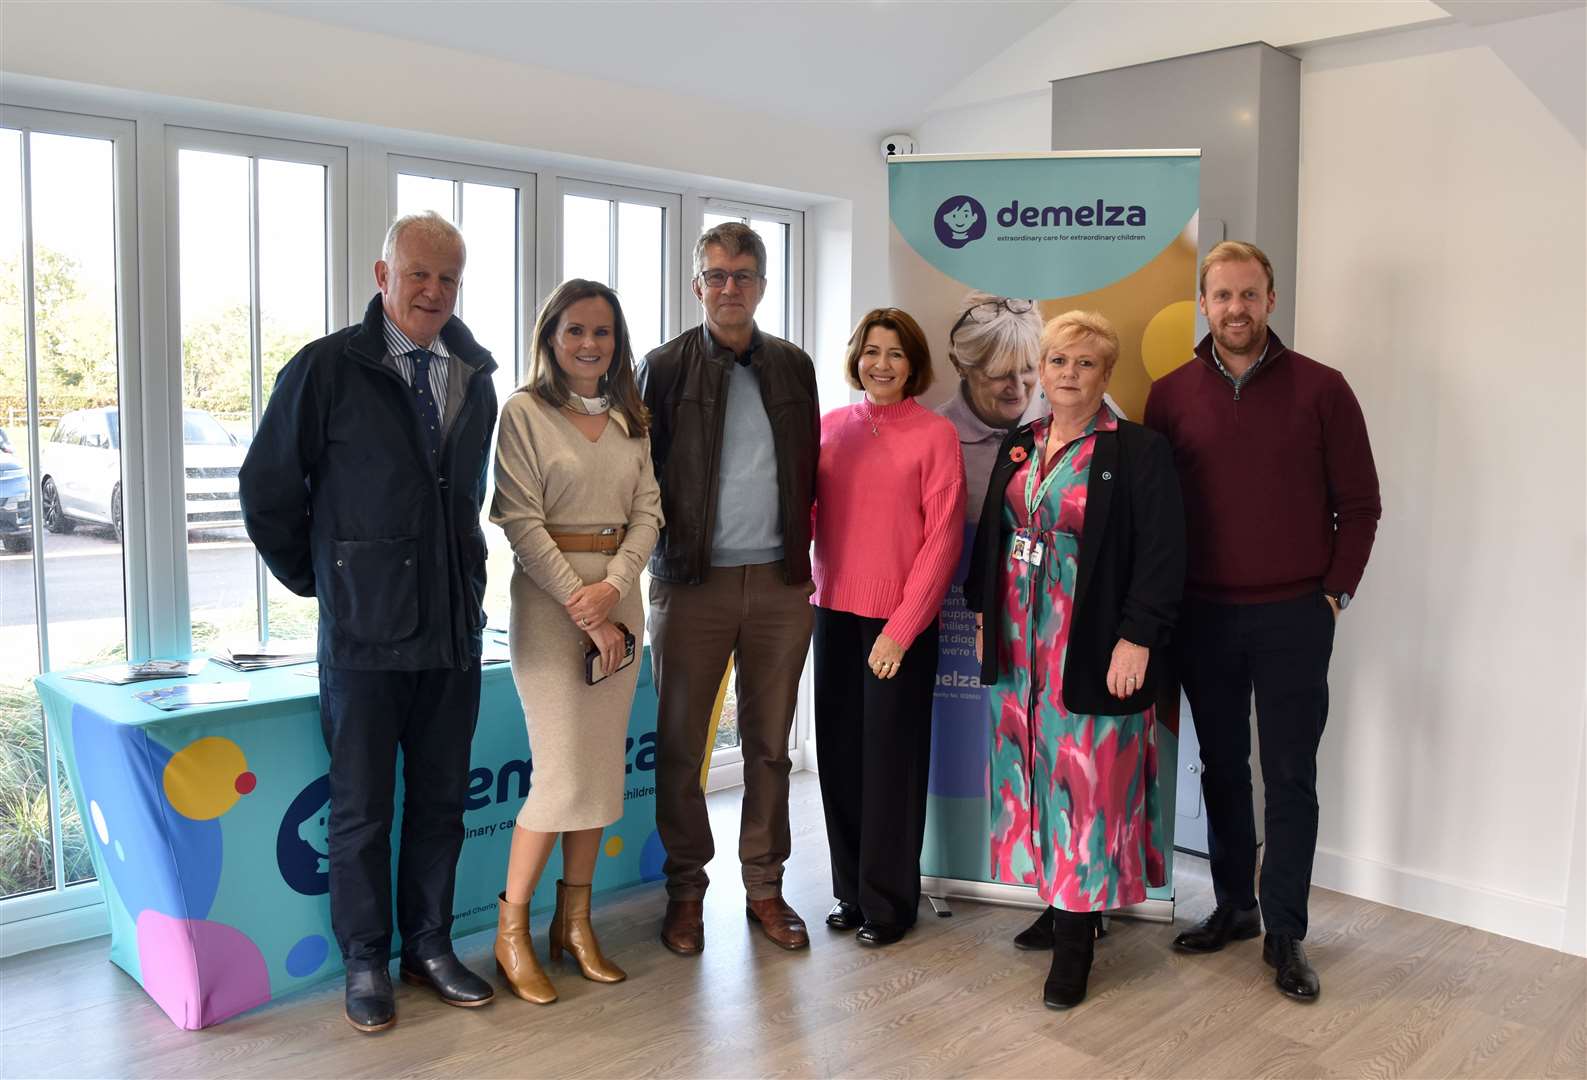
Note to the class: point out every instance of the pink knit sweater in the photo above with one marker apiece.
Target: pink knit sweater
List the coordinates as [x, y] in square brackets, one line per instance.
[889, 516]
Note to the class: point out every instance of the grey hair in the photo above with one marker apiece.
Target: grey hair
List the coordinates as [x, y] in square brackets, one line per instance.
[977, 346]
[735, 238]
[426, 221]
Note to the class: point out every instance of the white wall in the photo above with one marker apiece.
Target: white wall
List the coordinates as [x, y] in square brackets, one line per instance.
[1442, 270]
[259, 59]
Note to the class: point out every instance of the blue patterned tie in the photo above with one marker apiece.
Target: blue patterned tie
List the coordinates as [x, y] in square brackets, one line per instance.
[424, 397]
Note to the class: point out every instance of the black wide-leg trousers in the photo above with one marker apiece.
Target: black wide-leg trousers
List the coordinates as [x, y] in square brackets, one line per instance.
[1281, 651]
[873, 737]
[365, 717]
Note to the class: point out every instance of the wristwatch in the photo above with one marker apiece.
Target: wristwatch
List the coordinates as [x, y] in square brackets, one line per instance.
[1340, 598]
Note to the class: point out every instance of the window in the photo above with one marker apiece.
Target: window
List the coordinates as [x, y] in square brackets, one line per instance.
[65, 254]
[625, 238]
[259, 231]
[781, 308]
[119, 519]
[494, 210]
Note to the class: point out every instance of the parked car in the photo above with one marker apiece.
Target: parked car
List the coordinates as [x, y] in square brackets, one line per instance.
[16, 500]
[81, 471]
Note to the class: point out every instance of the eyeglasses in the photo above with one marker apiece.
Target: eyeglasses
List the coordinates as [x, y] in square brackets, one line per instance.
[716, 279]
[987, 310]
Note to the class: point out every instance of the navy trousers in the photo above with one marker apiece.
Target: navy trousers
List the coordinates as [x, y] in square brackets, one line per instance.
[366, 716]
[1281, 651]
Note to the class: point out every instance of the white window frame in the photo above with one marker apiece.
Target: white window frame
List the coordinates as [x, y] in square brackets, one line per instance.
[795, 220]
[16, 913]
[527, 185]
[671, 205]
[334, 160]
[148, 130]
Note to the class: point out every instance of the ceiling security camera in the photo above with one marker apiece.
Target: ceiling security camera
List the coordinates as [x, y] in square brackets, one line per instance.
[897, 144]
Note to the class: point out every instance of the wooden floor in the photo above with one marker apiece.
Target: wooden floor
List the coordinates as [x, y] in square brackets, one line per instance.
[1403, 995]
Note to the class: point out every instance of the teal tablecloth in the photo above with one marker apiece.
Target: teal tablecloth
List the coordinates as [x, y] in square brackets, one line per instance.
[207, 828]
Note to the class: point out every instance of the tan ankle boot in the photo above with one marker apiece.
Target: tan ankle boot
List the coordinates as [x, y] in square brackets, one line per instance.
[571, 930]
[515, 954]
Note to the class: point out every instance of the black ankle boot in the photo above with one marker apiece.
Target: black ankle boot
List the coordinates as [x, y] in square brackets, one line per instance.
[1073, 943]
[1037, 937]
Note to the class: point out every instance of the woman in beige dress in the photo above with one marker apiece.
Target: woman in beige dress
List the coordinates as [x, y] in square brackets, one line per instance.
[577, 498]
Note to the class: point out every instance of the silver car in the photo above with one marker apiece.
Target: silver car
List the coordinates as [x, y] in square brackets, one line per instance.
[81, 467]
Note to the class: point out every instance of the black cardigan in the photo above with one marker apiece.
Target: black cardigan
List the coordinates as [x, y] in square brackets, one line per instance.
[1131, 569]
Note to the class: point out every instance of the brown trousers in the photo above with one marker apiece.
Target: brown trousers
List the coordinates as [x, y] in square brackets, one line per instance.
[750, 614]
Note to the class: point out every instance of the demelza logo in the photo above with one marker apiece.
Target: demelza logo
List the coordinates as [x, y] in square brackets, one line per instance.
[1092, 215]
[959, 220]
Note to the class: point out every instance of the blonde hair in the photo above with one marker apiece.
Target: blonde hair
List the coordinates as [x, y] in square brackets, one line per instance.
[1234, 251]
[1006, 343]
[1082, 324]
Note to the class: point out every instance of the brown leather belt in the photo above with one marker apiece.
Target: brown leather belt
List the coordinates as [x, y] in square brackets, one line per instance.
[605, 542]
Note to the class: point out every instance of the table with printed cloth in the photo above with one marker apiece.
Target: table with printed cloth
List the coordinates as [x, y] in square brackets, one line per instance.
[207, 829]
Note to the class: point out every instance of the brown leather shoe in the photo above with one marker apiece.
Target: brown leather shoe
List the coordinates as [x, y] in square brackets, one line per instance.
[779, 922]
[683, 928]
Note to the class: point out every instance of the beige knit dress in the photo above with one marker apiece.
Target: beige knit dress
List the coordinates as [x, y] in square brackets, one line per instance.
[550, 478]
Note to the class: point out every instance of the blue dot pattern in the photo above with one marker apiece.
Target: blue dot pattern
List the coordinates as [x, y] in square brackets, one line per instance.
[429, 410]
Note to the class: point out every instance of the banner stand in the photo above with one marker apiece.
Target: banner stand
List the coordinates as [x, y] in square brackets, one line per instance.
[982, 250]
[941, 890]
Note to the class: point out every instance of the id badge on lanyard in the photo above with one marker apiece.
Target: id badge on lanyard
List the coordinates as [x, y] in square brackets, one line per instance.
[1028, 548]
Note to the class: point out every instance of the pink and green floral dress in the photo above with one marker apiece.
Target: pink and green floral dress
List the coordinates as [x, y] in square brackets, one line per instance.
[1074, 799]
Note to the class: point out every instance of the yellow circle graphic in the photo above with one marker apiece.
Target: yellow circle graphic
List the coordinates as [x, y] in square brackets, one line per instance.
[205, 779]
[1169, 339]
[614, 845]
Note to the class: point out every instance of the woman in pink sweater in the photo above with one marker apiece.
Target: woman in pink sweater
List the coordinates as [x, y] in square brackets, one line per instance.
[888, 529]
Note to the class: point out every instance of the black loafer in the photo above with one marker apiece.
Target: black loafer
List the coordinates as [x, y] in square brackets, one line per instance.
[1296, 978]
[1224, 925]
[845, 916]
[452, 982]
[371, 1005]
[879, 934]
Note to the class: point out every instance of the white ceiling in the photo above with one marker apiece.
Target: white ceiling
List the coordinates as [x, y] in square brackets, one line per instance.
[865, 65]
[870, 66]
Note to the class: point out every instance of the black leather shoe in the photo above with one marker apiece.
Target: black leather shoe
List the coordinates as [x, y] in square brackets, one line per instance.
[371, 1006]
[879, 934]
[1296, 977]
[1073, 947]
[446, 975]
[1224, 925]
[845, 916]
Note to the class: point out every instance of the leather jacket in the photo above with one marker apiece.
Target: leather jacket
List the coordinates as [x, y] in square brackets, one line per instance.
[684, 384]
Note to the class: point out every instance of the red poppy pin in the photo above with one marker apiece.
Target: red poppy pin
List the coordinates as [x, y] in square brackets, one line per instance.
[1017, 454]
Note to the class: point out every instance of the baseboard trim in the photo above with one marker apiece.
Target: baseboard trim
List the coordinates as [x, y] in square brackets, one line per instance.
[54, 928]
[992, 892]
[1513, 916]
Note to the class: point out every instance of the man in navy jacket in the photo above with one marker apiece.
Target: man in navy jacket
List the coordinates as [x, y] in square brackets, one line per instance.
[363, 488]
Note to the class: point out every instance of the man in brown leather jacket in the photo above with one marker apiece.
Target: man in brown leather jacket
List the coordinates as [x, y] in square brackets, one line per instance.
[735, 433]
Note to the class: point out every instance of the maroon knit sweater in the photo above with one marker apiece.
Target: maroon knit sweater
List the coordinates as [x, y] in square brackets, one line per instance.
[1281, 496]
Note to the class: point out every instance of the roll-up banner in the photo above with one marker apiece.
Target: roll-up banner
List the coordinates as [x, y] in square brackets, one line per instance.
[1008, 235]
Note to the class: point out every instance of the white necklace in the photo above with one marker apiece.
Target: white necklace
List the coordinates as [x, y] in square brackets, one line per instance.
[590, 406]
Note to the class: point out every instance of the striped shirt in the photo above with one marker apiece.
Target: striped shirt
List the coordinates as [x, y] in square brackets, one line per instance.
[398, 346]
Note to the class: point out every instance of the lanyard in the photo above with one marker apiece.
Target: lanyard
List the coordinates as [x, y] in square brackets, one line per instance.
[1035, 495]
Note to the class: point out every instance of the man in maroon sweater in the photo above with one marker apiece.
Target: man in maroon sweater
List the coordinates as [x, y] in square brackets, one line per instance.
[1281, 506]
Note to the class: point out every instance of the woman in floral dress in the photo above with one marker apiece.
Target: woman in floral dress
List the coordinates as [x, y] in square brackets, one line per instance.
[1076, 578]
